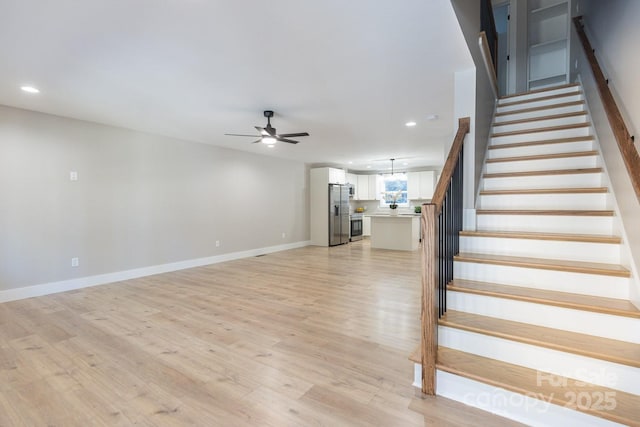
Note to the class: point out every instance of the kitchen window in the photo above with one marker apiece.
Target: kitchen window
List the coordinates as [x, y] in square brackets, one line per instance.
[394, 184]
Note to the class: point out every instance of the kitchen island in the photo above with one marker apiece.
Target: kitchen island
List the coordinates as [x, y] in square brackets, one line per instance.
[397, 232]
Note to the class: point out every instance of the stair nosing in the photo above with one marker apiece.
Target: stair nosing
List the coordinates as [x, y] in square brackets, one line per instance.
[458, 285]
[541, 118]
[550, 156]
[569, 140]
[546, 89]
[534, 191]
[541, 130]
[542, 172]
[559, 237]
[546, 212]
[600, 269]
[542, 98]
[523, 371]
[540, 108]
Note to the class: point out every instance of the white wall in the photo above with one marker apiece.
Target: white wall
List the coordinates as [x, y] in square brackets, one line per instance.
[608, 40]
[141, 200]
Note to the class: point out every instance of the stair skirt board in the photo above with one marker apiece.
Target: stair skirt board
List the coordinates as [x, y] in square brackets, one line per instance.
[526, 409]
[594, 371]
[550, 249]
[579, 321]
[577, 283]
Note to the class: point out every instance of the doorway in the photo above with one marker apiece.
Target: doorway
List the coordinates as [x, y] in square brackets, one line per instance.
[501, 16]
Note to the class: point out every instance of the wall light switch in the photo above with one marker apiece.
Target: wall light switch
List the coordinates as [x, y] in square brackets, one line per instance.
[73, 176]
[75, 262]
[217, 243]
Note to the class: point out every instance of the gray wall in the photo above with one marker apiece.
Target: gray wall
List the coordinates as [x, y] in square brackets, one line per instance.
[613, 33]
[141, 200]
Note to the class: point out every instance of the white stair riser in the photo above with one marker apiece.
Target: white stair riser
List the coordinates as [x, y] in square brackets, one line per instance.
[515, 406]
[539, 123]
[539, 113]
[533, 150]
[533, 96]
[545, 201]
[581, 368]
[562, 281]
[578, 180]
[537, 103]
[561, 163]
[540, 136]
[550, 249]
[546, 224]
[579, 321]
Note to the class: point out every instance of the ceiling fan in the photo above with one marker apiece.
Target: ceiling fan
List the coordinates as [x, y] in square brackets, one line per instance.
[268, 133]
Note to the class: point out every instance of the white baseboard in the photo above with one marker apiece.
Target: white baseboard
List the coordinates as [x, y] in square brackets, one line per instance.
[102, 279]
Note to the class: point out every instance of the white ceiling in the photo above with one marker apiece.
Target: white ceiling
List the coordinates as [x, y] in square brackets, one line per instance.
[350, 72]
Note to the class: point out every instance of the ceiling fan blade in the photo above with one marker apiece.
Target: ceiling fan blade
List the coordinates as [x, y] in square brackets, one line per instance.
[290, 141]
[293, 135]
[238, 134]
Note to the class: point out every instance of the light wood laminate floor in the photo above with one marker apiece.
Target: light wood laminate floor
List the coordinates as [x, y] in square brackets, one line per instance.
[312, 336]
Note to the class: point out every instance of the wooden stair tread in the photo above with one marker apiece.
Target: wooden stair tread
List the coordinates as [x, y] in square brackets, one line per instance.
[546, 212]
[546, 264]
[541, 98]
[416, 355]
[545, 89]
[615, 351]
[541, 108]
[542, 172]
[542, 142]
[585, 238]
[540, 118]
[523, 380]
[544, 156]
[574, 190]
[616, 307]
[544, 129]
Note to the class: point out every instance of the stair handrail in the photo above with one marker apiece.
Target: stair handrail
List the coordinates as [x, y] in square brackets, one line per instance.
[624, 139]
[441, 221]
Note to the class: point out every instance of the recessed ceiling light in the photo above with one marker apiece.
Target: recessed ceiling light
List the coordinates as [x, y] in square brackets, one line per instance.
[29, 89]
[432, 117]
[368, 166]
[405, 164]
[350, 162]
[410, 124]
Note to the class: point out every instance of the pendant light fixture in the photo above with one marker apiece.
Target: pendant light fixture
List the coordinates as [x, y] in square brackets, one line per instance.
[392, 160]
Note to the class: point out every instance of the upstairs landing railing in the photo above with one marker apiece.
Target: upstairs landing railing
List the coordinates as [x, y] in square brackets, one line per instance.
[441, 223]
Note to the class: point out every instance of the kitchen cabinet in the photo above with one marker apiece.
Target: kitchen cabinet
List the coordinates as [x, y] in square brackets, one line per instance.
[420, 185]
[549, 24]
[352, 179]
[367, 188]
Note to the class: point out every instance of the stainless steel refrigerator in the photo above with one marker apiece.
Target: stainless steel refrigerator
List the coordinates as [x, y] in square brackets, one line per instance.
[338, 214]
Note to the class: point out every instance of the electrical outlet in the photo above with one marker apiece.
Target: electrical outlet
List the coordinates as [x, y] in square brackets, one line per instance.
[75, 262]
[284, 235]
[73, 176]
[217, 243]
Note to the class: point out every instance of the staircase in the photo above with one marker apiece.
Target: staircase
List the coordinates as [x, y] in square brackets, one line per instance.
[538, 325]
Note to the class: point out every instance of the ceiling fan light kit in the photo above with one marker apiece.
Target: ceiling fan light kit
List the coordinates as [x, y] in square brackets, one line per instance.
[269, 136]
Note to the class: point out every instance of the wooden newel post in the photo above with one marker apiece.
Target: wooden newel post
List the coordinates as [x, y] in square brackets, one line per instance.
[429, 337]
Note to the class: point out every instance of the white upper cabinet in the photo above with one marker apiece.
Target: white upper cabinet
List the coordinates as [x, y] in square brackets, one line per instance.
[362, 189]
[337, 176]
[420, 185]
